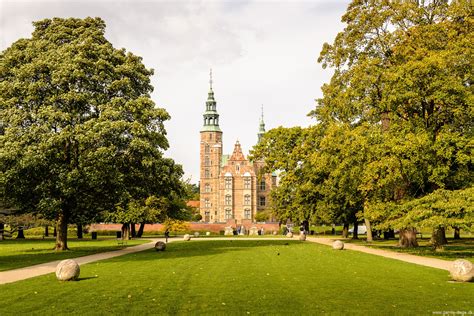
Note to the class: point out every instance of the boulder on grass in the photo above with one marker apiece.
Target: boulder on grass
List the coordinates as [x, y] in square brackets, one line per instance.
[338, 245]
[67, 270]
[160, 246]
[187, 237]
[208, 233]
[196, 234]
[462, 270]
[302, 237]
[289, 235]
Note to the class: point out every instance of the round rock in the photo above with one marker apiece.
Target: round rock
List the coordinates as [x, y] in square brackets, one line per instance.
[196, 234]
[67, 270]
[208, 233]
[160, 246]
[187, 237]
[338, 245]
[289, 235]
[462, 270]
[302, 237]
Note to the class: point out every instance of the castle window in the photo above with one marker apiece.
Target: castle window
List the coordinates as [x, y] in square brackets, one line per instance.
[228, 199]
[237, 168]
[210, 136]
[228, 213]
[207, 188]
[206, 149]
[247, 183]
[247, 214]
[228, 183]
[261, 201]
[206, 161]
[274, 180]
[247, 199]
[207, 203]
[206, 173]
[262, 185]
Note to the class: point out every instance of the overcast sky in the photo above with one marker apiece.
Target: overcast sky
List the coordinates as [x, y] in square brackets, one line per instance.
[261, 52]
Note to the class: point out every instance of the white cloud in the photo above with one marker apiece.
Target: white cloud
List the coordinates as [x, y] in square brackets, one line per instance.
[261, 52]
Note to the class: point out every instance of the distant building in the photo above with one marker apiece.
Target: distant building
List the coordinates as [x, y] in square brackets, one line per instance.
[231, 187]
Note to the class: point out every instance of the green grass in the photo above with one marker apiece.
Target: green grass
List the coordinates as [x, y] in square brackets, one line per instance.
[16, 253]
[455, 249]
[264, 277]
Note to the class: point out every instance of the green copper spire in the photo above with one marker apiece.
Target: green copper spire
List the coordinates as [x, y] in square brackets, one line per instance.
[211, 117]
[261, 129]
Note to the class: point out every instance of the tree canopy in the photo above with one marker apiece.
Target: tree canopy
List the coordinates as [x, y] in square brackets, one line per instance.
[395, 123]
[80, 133]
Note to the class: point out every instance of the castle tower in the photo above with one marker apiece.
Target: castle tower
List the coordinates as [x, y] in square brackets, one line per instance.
[261, 129]
[210, 159]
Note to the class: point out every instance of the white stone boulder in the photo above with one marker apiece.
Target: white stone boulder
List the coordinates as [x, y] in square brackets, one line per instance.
[187, 237]
[160, 246]
[253, 231]
[289, 235]
[229, 231]
[462, 270]
[196, 234]
[302, 237]
[208, 233]
[275, 233]
[338, 245]
[67, 270]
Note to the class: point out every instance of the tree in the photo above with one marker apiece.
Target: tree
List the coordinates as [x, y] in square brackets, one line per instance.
[78, 124]
[406, 67]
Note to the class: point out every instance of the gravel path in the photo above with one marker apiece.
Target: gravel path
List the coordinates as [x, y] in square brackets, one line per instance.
[50, 267]
[424, 261]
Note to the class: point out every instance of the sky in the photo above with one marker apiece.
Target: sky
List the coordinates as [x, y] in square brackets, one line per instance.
[261, 53]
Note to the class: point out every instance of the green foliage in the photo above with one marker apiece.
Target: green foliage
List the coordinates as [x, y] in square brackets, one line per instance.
[80, 133]
[262, 216]
[395, 123]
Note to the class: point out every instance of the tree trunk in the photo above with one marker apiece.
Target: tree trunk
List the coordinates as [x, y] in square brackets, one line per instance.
[125, 231]
[61, 232]
[140, 230]
[457, 233]
[369, 230]
[2, 227]
[133, 231]
[21, 233]
[79, 231]
[355, 234]
[345, 230]
[438, 238]
[46, 231]
[407, 238]
[55, 231]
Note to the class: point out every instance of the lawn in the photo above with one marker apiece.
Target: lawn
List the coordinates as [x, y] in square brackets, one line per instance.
[455, 249]
[18, 253]
[266, 277]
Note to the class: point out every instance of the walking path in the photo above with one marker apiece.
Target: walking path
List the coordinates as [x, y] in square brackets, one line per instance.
[50, 267]
[424, 261]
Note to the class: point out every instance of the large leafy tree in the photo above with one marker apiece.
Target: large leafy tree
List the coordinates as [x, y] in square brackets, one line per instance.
[80, 133]
[408, 66]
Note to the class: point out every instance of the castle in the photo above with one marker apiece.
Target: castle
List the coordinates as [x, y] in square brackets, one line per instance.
[232, 188]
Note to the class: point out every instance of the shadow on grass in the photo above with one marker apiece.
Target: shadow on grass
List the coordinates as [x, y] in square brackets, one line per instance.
[203, 248]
